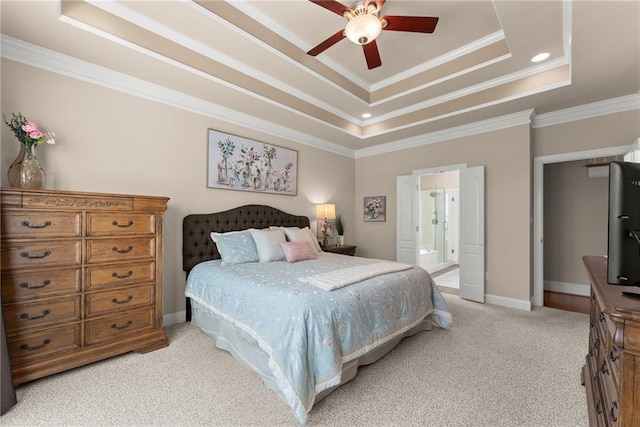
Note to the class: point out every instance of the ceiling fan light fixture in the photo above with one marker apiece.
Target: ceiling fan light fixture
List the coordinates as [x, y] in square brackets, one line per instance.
[364, 25]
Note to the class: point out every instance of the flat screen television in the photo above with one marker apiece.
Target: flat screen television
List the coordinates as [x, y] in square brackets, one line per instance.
[623, 252]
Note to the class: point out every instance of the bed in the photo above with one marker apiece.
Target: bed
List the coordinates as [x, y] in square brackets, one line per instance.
[303, 319]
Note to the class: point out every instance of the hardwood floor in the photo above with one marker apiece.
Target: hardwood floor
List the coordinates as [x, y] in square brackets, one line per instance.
[568, 302]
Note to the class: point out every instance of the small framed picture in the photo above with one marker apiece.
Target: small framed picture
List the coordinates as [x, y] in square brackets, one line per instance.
[375, 208]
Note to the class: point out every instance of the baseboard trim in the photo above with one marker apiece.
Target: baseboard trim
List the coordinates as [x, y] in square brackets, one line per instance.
[567, 288]
[174, 318]
[508, 302]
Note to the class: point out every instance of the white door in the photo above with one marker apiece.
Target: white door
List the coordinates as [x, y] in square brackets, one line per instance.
[406, 214]
[472, 283]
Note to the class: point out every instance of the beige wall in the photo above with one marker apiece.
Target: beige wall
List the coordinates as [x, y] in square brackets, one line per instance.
[610, 130]
[575, 220]
[108, 141]
[506, 155]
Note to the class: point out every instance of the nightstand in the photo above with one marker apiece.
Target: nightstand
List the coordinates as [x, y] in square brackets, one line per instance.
[344, 249]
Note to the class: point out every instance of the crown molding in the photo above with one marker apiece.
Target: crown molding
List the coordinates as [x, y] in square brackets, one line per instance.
[587, 111]
[32, 55]
[484, 126]
[36, 56]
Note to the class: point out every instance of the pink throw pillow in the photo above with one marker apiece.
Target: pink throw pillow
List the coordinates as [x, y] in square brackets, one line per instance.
[297, 251]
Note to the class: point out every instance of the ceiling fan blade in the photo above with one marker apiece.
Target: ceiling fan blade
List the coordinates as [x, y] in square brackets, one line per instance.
[372, 55]
[327, 43]
[332, 5]
[414, 24]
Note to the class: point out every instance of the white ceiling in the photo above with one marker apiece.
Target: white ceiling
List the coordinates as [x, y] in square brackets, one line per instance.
[249, 57]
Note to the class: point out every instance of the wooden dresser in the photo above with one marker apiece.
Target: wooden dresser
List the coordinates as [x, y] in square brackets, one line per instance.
[81, 278]
[611, 374]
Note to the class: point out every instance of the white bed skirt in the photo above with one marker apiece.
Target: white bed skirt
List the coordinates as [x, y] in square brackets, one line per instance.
[246, 350]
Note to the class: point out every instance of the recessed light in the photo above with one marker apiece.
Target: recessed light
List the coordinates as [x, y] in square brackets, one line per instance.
[540, 57]
[366, 115]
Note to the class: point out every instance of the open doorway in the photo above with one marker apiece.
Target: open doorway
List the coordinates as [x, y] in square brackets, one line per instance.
[471, 253]
[538, 207]
[439, 227]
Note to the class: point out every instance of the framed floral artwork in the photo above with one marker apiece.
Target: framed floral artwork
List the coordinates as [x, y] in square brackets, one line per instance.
[375, 208]
[237, 163]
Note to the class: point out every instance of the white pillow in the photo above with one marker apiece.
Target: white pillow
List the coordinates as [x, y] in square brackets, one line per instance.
[268, 244]
[295, 234]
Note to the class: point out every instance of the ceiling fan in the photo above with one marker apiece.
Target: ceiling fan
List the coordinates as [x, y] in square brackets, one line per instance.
[365, 24]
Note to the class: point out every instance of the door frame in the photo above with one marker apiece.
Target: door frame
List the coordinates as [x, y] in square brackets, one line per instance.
[538, 207]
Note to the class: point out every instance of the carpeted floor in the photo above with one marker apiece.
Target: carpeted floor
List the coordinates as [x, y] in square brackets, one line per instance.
[494, 367]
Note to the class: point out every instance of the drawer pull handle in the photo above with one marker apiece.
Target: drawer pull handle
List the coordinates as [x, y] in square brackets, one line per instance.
[124, 276]
[126, 325]
[604, 368]
[601, 316]
[599, 407]
[613, 411]
[122, 251]
[35, 347]
[26, 255]
[124, 301]
[26, 223]
[128, 224]
[613, 354]
[26, 285]
[39, 316]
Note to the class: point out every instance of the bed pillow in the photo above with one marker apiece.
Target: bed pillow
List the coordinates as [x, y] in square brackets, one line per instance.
[236, 247]
[268, 244]
[297, 251]
[295, 234]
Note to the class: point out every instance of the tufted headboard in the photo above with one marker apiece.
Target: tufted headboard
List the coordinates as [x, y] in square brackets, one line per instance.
[197, 245]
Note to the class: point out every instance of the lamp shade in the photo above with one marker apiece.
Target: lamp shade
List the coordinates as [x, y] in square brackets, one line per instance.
[326, 211]
[363, 29]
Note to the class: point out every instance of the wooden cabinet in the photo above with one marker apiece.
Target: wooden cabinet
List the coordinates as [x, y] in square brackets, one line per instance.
[342, 249]
[611, 374]
[81, 277]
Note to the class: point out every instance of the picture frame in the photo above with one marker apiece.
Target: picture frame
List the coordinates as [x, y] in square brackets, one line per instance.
[243, 164]
[375, 209]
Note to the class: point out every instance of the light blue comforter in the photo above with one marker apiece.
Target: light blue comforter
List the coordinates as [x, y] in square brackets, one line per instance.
[308, 333]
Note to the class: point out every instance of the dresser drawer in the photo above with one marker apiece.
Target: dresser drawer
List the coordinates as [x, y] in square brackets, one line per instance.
[41, 313]
[99, 224]
[121, 249]
[40, 283]
[611, 403]
[24, 347]
[118, 299]
[52, 253]
[99, 277]
[36, 224]
[118, 325]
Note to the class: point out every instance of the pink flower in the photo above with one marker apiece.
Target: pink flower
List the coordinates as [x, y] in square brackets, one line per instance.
[35, 134]
[32, 130]
[29, 126]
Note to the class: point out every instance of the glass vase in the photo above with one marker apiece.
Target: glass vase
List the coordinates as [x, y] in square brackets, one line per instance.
[25, 171]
